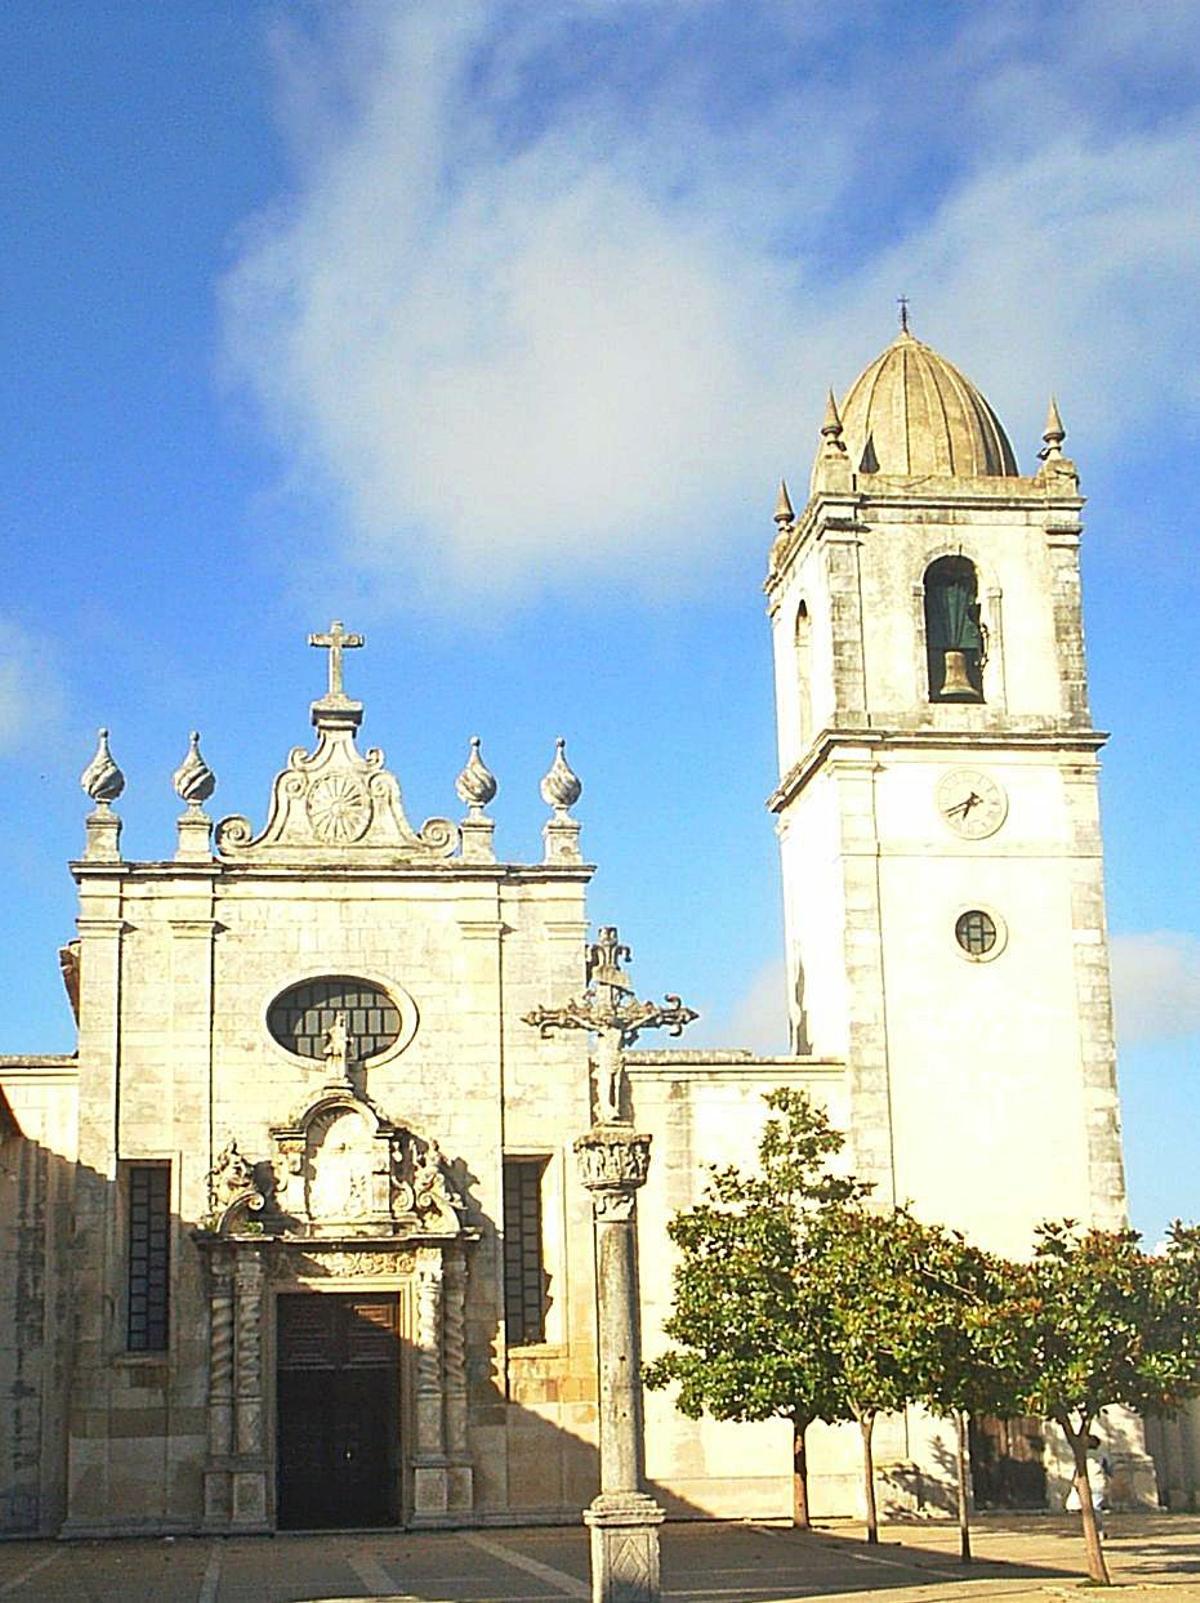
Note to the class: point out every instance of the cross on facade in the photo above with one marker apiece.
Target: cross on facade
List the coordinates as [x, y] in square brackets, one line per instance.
[335, 642]
[610, 1012]
[902, 303]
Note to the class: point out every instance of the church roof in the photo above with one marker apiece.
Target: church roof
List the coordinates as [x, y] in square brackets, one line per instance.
[912, 412]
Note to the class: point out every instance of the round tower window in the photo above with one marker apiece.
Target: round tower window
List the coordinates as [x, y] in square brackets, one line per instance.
[975, 932]
[301, 1017]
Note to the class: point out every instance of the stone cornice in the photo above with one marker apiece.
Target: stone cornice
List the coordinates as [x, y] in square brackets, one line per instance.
[437, 873]
[952, 740]
[54, 1064]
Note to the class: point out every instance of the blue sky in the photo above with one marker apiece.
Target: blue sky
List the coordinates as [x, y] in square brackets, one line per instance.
[490, 328]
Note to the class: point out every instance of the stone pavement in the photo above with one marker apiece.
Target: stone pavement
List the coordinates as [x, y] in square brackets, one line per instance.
[1152, 1557]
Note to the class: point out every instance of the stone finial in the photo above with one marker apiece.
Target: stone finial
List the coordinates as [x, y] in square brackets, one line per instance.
[561, 788]
[833, 446]
[783, 513]
[476, 785]
[1053, 434]
[194, 783]
[194, 780]
[102, 780]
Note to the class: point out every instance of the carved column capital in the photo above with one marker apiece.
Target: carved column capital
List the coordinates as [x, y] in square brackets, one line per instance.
[613, 1163]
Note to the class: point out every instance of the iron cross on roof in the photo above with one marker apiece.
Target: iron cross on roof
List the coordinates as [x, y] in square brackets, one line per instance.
[610, 1011]
[335, 642]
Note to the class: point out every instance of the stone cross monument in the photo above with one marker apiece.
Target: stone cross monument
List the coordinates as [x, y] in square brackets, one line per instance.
[614, 1160]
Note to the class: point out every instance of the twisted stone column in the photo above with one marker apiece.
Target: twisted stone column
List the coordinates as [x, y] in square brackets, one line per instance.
[623, 1520]
[218, 1502]
[430, 1479]
[455, 1341]
[249, 1476]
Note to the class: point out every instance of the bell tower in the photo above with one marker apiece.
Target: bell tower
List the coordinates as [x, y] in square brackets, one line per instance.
[937, 807]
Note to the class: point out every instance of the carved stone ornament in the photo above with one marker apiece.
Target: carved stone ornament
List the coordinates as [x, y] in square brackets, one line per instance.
[613, 1164]
[336, 805]
[194, 780]
[476, 785]
[299, 1263]
[102, 780]
[233, 1189]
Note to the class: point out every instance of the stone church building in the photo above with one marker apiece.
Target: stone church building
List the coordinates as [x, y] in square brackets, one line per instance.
[296, 1237]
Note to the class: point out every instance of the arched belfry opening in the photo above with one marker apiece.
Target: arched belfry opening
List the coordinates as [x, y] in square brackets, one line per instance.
[803, 645]
[955, 636]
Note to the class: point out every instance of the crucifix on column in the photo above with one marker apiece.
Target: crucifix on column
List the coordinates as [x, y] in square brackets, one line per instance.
[614, 1161]
[609, 1011]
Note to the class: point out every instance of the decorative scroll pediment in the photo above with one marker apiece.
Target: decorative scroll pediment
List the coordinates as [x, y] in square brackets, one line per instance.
[338, 1170]
[336, 805]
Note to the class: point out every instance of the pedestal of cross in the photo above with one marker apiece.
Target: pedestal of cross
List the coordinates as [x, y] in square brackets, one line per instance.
[614, 1160]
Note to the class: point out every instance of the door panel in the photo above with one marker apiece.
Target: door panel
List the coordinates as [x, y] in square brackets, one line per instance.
[338, 1385]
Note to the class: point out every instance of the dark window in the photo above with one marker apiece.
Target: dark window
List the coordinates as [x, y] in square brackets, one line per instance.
[955, 638]
[524, 1270]
[300, 1019]
[149, 1257]
[976, 933]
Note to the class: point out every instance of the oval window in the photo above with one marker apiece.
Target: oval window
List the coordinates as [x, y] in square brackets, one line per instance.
[301, 1017]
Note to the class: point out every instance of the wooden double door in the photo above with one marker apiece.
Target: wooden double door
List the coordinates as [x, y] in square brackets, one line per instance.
[338, 1391]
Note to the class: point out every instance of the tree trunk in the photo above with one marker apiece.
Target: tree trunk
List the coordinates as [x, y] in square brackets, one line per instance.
[964, 1496]
[866, 1424]
[800, 1514]
[1096, 1567]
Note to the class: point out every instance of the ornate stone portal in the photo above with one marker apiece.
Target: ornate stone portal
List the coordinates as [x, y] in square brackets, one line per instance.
[345, 1196]
[614, 1161]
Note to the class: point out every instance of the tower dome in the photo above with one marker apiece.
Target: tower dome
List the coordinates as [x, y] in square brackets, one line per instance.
[912, 412]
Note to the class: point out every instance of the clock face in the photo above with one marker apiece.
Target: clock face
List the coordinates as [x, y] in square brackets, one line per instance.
[973, 804]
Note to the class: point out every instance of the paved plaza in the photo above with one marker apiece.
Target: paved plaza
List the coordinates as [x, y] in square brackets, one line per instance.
[728, 1563]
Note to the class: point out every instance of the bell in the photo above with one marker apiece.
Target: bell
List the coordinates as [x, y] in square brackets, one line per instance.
[956, 686]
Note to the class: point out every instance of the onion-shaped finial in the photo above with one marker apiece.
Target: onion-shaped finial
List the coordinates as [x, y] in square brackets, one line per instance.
[102, 780]
[476, 785]
[561, 788]
[194, 780]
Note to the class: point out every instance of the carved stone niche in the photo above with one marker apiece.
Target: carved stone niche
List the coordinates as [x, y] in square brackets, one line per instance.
[343, 1170]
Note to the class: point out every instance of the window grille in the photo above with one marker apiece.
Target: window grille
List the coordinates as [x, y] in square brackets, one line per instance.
[300, 1019]
[976, 932]
[524, 1267]
[149, 1257]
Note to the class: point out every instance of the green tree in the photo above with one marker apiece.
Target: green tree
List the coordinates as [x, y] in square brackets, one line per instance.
[885, 1315]
[749, 1318]
[968, 1371]
[1094, 1321]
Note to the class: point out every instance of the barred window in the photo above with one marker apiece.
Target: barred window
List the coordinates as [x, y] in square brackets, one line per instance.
[524, 1267]
[149, 1257]
[976, 932]
[301, 1017]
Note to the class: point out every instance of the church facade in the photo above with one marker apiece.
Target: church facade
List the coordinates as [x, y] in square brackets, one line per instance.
[296, 1237]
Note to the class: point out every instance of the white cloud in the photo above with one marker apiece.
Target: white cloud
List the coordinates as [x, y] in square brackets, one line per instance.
[552, 351]
[28, 693]
[756, 1020]
[1156, 986]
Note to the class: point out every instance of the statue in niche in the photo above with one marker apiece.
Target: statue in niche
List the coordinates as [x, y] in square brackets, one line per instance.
[339, 1167]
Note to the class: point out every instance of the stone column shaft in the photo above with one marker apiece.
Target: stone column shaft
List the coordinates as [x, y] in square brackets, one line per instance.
[621, 1446]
